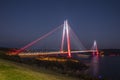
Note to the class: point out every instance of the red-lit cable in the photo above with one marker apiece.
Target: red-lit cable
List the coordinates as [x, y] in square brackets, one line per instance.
[35, 41]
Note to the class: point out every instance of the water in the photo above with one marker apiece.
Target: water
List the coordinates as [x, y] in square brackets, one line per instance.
[105, 67]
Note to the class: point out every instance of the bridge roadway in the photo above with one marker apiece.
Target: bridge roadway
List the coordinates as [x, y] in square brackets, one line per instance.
[34, 54]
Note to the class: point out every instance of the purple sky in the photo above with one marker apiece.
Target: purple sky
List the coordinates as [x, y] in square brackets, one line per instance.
[22, 21]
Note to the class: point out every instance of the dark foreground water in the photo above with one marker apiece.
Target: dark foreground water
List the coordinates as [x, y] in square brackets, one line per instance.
[105, 67]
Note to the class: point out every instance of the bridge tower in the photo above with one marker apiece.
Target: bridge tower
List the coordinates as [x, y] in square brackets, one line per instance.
[66, 32]
[95, 48]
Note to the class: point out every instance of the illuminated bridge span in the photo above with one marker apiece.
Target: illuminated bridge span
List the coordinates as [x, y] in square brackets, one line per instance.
[65, 35]
[33, 54]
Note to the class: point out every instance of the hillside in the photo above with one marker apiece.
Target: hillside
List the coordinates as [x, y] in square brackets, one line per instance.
[15, 71]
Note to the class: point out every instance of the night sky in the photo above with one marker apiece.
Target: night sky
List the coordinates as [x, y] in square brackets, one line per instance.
[22, 21]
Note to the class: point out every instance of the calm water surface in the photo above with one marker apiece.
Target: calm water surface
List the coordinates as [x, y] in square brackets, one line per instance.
[105, 67]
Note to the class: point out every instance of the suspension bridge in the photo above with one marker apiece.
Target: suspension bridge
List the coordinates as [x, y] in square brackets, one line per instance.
[65, 36]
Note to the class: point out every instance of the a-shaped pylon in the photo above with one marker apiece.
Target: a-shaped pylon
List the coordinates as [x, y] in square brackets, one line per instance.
[95, 48]
[66, 32]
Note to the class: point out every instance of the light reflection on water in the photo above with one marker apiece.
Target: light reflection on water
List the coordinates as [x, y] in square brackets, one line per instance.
[95, 65]
[105, 67]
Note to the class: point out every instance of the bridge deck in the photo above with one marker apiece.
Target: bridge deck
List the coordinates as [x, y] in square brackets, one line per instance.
[33, 54]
